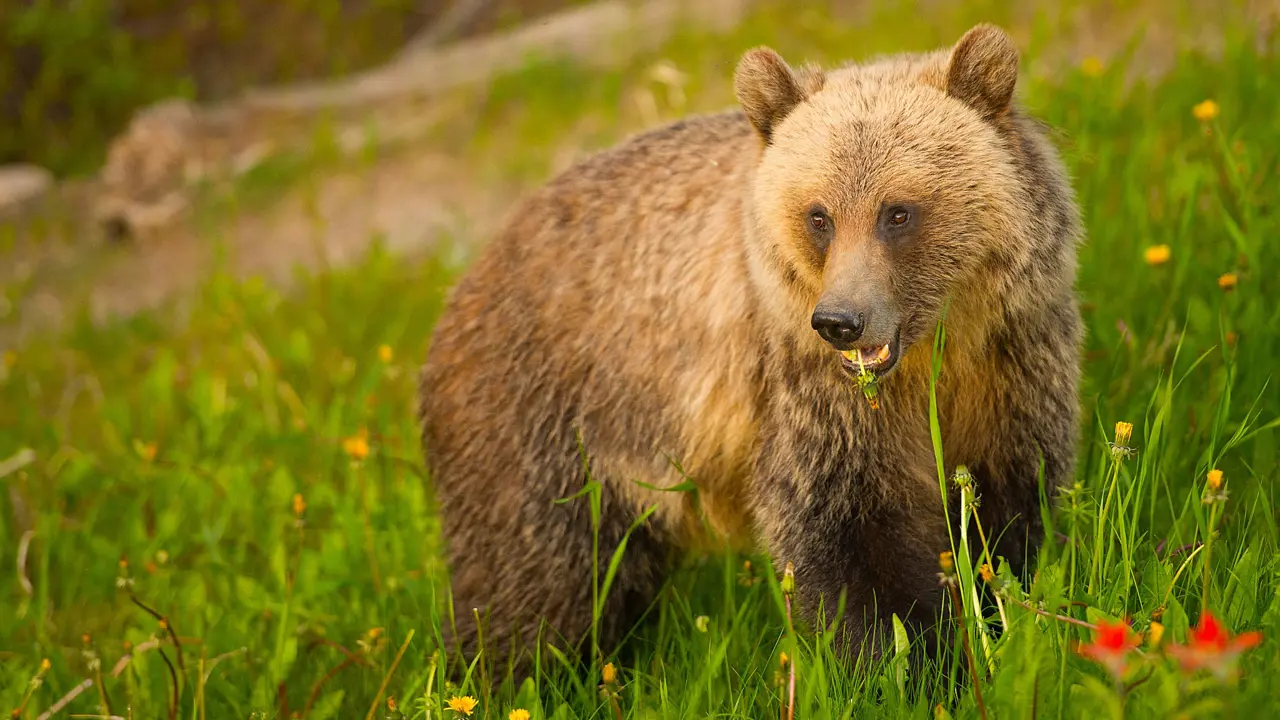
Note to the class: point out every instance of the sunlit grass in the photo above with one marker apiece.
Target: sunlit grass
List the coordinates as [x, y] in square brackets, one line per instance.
[255, 463]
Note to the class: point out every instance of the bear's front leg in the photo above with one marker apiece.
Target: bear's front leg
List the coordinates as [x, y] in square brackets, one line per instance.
[854, 514]
[1032, 423]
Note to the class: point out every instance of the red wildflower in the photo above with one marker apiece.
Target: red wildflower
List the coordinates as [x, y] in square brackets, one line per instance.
[1211, 646]
[1112, 643]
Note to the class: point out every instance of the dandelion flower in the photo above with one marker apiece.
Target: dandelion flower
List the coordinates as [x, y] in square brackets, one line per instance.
[1154, 634]
[299, 504]
[1205, 111]
[946, 561]
[45, 665]
[986, 572]
[518, 714]
[1227, 281]
[1092, 66]
[1157, 254]
[1214, 479]
[783, 659]
[609, 674]
[464, 705]
[1124, 431]
[356, 446]
[384, 353]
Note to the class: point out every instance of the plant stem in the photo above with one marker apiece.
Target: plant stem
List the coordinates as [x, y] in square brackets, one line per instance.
[968, 651]
[1102, 525]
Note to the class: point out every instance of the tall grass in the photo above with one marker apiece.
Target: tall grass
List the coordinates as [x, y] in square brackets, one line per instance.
[249, 470]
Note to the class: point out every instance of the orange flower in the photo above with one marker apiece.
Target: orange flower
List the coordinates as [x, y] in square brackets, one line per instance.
[1227, 281]
[145, 450]
[1112, 643]
[1212, 647]
[609, 674]
[384, 353]
[1214, 479]
[986, 572]
[299, 504]
[1157, 254]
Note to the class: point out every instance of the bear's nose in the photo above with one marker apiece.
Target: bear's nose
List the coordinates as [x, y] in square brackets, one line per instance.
[841, 329]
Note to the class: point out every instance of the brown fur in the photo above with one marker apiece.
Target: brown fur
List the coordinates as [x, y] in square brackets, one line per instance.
[656, 299]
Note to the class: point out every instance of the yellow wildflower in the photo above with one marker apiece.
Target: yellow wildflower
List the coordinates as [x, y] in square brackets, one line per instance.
[45, 665]
[1157, 254]
[946, 561]
[1227, 281]
[1205, 111]
[609, 674]
[986, 572]
[1215, 479]
[384, 353]
[783, 659]
[464, 705]
[299, 504]
[518, 714]
[1124, 431]
[1092, 66]
[1154, 634]
[356, 446]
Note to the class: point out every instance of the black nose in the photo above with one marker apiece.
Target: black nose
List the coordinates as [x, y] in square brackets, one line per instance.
[841, 329]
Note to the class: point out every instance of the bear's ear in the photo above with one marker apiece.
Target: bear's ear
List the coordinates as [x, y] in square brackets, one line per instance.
[768, 89]
[983, 69]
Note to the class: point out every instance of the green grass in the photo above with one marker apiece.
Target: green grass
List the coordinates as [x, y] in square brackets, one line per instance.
[180, 444]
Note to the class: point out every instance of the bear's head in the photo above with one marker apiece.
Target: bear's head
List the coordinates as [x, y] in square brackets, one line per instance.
[882, 192]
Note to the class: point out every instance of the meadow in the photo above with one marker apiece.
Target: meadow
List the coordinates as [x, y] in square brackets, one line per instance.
[223, 514]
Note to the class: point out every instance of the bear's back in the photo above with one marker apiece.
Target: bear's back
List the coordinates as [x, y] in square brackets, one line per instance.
[609, 286]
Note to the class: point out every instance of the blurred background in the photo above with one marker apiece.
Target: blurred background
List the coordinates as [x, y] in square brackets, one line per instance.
[154, 122]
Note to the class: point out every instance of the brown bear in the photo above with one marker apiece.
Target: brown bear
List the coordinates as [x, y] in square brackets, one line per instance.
[701, 301]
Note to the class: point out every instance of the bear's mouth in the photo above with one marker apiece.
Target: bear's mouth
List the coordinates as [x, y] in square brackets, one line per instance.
[877, 359]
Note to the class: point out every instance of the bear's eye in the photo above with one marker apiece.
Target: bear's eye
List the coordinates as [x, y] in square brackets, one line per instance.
[819, 221]
[899, 216]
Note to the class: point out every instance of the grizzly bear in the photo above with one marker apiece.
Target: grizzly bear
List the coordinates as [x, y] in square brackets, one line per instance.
[703, 300]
